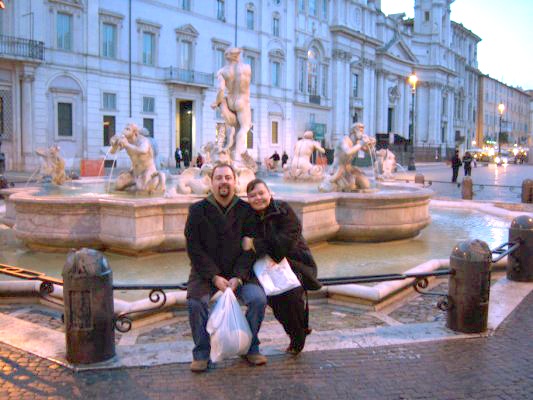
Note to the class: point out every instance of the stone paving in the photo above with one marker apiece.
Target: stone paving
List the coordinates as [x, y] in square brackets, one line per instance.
[494, 367]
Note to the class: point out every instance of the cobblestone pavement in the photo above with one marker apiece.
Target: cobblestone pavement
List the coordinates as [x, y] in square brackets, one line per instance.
[495, 367]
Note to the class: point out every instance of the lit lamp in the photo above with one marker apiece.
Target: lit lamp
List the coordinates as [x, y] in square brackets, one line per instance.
[501, 109]
[413, 79]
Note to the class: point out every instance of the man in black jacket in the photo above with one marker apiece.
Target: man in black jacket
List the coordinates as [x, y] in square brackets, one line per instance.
[213, 233]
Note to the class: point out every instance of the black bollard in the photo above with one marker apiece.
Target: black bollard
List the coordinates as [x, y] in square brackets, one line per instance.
[520, 261]
[419, 178]
[469, 287]
[88, 297]
[527, 191]
[467, 190]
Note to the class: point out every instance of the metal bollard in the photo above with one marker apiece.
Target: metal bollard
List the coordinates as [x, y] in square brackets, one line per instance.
[88, 297]
[527, 191]
[467, 190]
[520, 261]
[419, 178]
[469, 287]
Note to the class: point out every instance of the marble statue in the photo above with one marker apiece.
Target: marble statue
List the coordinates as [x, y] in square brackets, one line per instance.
[300, 167]
[343, 176]
[53, 164]
[143, 175]
[385, 164]
[233, 100]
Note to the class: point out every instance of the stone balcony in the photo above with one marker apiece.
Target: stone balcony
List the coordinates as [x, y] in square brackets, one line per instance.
[15, 48]
[189, 77]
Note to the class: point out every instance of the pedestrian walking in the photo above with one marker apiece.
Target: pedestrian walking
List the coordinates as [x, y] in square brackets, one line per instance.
[467, 162]
[456, 164]
[284, 159]
[186, 158]
[178, 157]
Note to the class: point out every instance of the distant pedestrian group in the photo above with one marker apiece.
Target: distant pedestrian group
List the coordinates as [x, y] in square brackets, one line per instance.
[456, 163]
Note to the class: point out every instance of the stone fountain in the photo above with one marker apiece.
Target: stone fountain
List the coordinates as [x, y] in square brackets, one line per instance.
[139, 218]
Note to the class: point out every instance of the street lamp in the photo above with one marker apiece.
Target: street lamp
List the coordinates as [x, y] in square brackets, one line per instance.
[413, 79]
[501, 109]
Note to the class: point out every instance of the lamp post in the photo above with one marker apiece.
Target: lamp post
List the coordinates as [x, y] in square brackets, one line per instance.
[413, 79]
[501, 109]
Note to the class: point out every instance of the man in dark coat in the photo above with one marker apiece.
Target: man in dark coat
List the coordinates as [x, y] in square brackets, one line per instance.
[456, 164]
[213, 233]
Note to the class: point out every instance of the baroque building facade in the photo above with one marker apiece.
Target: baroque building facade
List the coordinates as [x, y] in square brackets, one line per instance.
[74, 72]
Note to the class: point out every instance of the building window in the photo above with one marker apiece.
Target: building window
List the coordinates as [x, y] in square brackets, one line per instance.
[186, 55]
[64, 119]
[186, 5]
[251, 61]
[64, 31]
[148, 124]
[275, 26]
[324, 80]
[325, 9]
[275, 73]
[221, 15]
[274, 132]
[109, 40]
[426, 16]
[312, 72]
[301, 6]
[109, 101]
[148, 104]
[148, 48]
[301, 74]
[312, 8]
[109, 128]
[250, 19]
[219, 59]
[355, 85]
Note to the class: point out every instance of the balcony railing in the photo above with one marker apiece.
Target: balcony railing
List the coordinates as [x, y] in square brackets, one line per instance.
[21, 48]
[180, 75]
[314, 99]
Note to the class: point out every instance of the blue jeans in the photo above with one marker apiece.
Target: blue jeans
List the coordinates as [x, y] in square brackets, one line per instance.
[252, 295]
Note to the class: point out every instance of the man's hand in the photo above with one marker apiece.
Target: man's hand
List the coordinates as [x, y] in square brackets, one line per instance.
[220, 283]
[247, 243]
[234, 283]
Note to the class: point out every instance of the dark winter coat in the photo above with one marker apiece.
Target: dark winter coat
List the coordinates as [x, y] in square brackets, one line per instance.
[456, 161]
[214, 244]
[278, 233]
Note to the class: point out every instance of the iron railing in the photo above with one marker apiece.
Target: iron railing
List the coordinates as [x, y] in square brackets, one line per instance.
[157, 295]
[181, 75]
[21, 48]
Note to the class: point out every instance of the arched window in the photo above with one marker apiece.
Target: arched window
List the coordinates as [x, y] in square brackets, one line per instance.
[312, 71]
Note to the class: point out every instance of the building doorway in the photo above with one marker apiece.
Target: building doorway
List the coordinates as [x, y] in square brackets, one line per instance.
[184, 134]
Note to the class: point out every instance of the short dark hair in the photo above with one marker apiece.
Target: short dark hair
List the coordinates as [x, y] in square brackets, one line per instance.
[252, 184]
[220, 165]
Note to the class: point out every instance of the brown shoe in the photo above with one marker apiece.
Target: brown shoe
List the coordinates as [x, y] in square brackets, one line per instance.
[199, 365]
[256, 359]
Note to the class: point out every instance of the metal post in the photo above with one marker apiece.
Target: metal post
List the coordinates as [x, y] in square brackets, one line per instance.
[467, 191]
[527, 191]
[88, 298]
[520, 262]
[499, 136]
[469, 287]
[411, 166]
[419, 178]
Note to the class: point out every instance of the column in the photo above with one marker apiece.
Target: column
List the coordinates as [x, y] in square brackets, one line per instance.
[341, 98]
[381, 101]
[406, 93]
[27, 77]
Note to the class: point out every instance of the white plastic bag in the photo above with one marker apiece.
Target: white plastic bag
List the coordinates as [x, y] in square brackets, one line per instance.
[276, 278]
[228, 327]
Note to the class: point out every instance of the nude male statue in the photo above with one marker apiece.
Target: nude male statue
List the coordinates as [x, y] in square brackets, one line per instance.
[53, 164]
[143, 173]
[300, 167]
[233, 98]
[344, 176]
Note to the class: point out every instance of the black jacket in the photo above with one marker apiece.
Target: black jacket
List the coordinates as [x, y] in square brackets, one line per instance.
[214, 244]
[278, 233]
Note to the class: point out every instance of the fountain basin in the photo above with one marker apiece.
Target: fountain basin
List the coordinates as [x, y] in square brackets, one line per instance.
[135, 225]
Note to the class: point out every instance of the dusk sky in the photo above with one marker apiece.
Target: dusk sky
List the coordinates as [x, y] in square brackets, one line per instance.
[506, 31]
